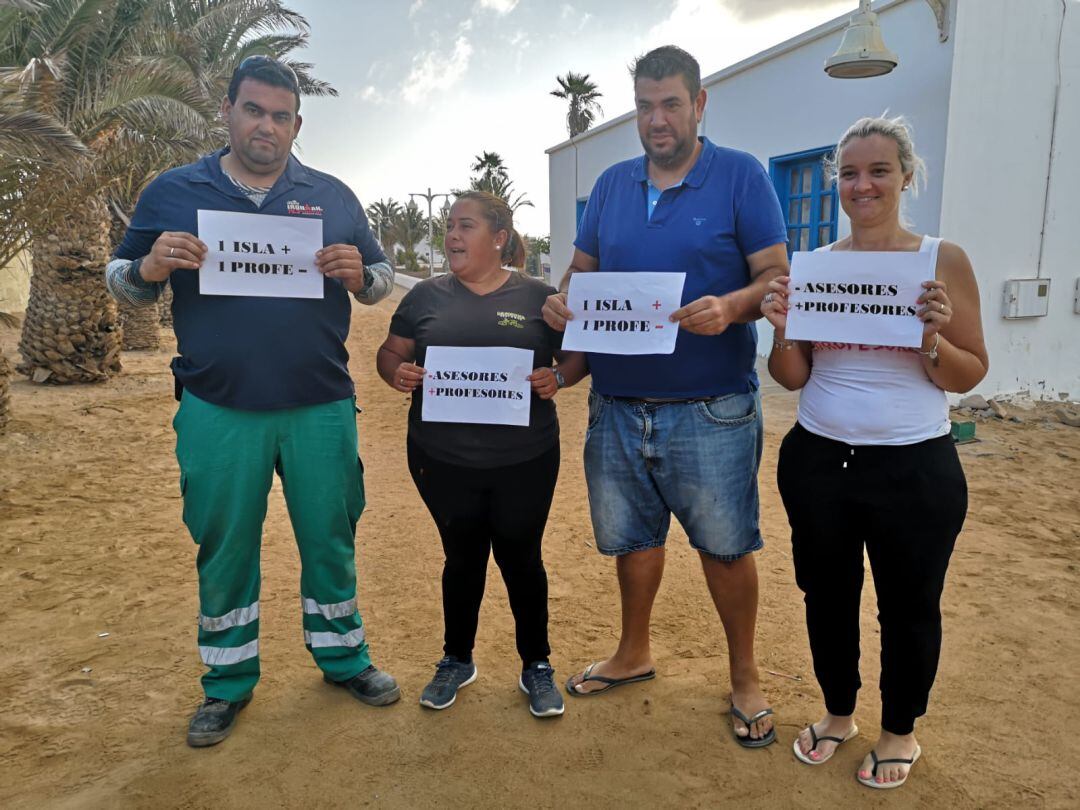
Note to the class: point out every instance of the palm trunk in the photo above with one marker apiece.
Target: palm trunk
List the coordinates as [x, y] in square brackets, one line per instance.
[165, 307]
[5, 393]
[71, 331]
[141, 325]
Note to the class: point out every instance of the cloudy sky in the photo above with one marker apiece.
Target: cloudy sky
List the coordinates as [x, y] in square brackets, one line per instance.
[427, 84]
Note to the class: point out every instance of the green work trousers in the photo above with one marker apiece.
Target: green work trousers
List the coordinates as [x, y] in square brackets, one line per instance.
[227, 462]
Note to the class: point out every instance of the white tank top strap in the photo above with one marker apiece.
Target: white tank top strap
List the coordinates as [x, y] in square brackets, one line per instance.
[931, 245]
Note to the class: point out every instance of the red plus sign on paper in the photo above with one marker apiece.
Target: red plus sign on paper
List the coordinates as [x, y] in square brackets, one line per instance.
[656, 305]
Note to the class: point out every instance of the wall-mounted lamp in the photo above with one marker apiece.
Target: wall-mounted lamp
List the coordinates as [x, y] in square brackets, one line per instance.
[862, 52]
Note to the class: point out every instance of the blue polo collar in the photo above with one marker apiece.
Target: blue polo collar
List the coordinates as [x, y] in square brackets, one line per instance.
[696, 176]
[208, 170]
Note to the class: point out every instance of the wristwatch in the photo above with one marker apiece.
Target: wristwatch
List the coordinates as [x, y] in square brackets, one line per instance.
[560, 380]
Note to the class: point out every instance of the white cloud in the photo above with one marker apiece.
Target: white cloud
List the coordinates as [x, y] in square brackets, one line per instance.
[756, 9]
[372, 94]
[500, 7]
[720, 34]
[433, 71]
[415, 7]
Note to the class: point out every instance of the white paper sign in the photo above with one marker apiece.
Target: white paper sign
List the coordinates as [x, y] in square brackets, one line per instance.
[857, 297]
[623, 313]
[260, 254]
[485, 385]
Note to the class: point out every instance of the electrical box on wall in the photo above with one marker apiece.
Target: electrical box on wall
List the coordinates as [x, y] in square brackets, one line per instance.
[1076, 298]
[1026, 298]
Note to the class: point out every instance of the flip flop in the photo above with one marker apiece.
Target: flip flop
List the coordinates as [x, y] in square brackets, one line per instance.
[799, 755]
[870, 783]
[610, 683]
[748, 741]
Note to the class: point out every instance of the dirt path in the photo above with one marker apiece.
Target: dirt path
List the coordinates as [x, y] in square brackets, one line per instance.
[92, 543]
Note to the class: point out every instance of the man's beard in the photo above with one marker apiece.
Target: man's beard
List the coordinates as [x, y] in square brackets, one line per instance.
[667, 160]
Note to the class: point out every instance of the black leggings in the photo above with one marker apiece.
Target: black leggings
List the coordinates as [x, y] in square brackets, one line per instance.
[907, 504]
[503, 510]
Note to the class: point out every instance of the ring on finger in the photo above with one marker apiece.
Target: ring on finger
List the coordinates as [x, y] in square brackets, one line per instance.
[941, 307]
[768, 297]
[171, 251]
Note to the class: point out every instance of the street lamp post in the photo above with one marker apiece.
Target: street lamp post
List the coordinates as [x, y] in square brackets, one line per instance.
[431, 248]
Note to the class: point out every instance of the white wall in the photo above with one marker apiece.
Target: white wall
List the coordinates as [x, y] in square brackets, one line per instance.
[997, 155]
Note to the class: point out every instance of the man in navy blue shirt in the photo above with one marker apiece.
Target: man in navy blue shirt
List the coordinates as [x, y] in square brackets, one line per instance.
[265, 386]
[681, 433]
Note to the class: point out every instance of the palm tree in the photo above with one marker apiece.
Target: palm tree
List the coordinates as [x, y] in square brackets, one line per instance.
[491, 169]
[582, 95]
[138, 83]
[504, 187]
[438, 228]
[381, 215]
[408, 229]
[492, 176]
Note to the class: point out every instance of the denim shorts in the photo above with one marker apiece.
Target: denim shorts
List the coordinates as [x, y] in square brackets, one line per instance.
[698, 460]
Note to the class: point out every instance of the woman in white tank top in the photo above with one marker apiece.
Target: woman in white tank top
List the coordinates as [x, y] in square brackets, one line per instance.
[870, 463]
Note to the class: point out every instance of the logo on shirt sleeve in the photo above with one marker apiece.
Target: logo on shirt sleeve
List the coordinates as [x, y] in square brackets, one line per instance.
[303, 209]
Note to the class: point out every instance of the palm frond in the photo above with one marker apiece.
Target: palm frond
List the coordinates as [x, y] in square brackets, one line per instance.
[23, 5]
[121, 100]
[36, 136]
[309, 85]
[67, 22]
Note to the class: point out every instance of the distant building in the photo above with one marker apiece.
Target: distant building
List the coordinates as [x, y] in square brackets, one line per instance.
[996, 113]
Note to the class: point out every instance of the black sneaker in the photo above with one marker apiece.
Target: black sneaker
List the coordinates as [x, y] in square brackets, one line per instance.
[213, 721]
[538, 682]
[372, 686]
[450, 675]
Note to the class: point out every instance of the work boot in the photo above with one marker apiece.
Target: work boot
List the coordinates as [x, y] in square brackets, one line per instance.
[213, 721]
[372, 686]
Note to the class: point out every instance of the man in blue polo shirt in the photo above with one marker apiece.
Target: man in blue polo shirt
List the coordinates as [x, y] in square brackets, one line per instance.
[681, 433]
[265, 386]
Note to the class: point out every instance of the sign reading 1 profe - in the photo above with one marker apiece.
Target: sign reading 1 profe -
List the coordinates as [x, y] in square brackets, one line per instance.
[623, 313]
[260, 255]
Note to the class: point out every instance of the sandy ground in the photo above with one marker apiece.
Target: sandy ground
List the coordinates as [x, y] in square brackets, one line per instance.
[91, 543]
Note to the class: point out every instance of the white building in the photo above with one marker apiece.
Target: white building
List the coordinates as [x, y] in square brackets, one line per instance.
[993, 95]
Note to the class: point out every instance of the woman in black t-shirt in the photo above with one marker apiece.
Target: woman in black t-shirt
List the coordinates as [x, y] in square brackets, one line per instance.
[488, 487]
